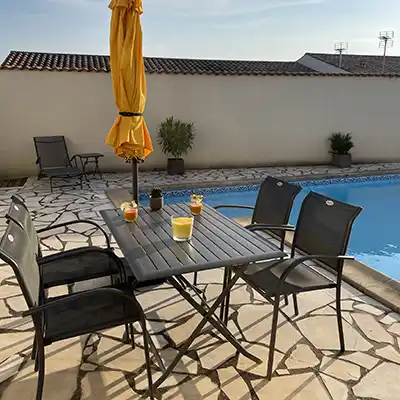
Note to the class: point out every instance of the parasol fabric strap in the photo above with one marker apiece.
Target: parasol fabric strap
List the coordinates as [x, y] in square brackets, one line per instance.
[130, 114]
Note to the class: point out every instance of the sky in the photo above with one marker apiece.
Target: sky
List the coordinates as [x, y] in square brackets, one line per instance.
[274, 30]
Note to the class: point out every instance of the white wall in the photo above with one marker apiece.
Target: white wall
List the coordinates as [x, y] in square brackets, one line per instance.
[240, 120]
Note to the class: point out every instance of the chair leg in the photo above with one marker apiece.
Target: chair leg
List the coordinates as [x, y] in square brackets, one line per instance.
[40, 359]
[37, 361]
[132, 335]
[147, 356]
[34, 349]
[126, 336]
[339, 318]
[273, 338]
[195, 279]
[286, 299]
[51, 185]
[295, 305]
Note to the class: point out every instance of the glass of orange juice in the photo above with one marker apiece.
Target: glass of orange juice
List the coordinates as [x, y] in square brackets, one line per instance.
[196, 204]
[182, 228]
[130, 210]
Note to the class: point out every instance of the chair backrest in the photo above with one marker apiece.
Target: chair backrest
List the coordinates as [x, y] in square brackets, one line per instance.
[18, 212]
[324, 227]
[51, 152]
[17, 250]
[274, 202]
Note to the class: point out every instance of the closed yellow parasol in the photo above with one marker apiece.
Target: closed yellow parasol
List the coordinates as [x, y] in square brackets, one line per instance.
[128, 135]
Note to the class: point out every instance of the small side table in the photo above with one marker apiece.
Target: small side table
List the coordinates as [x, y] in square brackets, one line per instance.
[90, 158]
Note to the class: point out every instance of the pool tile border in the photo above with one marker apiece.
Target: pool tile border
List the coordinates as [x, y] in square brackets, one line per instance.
[353, 179]
[249, 188]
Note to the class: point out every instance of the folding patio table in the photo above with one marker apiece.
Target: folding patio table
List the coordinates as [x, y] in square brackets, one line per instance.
[217, 241]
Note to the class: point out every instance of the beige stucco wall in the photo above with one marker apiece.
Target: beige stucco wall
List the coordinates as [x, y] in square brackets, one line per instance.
[240, 121]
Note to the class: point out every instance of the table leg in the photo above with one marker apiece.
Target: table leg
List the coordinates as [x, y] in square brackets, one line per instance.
[83, 165]
[214, 320]
[97, 168]
[185, 283]
[207, 318]
[224, 283]
[228, 297]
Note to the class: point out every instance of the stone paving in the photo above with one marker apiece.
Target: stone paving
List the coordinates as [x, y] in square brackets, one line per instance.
[100, 366]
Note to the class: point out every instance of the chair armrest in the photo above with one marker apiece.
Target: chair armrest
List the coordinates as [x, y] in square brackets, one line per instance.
[292, 263]
[233, 206]
[79, 221]
[261, 227]
[115, 293]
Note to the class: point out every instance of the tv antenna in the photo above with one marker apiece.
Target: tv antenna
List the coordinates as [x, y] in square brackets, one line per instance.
[341, 47]
[386, 40]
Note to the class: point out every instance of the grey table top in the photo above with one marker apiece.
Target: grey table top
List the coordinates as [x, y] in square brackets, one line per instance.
[217, 241]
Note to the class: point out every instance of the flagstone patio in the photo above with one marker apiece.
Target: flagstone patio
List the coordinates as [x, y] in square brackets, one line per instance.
[101, 366]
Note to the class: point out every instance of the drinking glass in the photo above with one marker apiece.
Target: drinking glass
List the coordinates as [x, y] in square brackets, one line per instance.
[182, 227]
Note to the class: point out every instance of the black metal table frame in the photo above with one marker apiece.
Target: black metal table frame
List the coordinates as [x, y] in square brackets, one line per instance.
[208, 313]
[180, 283]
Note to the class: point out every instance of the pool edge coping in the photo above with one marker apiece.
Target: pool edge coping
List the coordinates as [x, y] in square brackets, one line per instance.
[257, 181]
[373, 283]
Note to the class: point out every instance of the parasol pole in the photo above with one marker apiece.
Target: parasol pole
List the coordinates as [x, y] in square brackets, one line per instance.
[135, 181]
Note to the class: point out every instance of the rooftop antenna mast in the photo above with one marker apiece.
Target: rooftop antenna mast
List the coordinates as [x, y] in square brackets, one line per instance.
[386, 40]
[341, 47]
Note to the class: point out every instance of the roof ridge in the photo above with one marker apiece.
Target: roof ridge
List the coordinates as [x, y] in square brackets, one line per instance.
[351, 54]
[152, 57]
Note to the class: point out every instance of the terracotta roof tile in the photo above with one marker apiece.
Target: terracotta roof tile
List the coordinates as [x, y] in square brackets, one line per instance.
[24, 60]
[94, 63]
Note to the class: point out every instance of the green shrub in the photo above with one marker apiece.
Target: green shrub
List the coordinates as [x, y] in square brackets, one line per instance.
[175, 137]
[341, 143]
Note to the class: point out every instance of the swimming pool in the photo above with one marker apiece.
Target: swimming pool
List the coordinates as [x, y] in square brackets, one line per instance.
[375, 238]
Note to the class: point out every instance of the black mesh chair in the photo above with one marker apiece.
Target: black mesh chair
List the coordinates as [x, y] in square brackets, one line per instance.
[76, 265]
[272, 209]
[72, 315]
[273, 206]
[54, 161]
[321, 238]
[70, 266]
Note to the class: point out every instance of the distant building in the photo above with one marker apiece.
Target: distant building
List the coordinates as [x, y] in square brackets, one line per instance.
[351, 63]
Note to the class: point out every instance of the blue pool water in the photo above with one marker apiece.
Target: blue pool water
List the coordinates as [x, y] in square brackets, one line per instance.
[375, 239]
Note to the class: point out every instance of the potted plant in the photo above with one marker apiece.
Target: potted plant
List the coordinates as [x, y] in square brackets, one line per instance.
[176, 138]
[156, 199]
[341, 144]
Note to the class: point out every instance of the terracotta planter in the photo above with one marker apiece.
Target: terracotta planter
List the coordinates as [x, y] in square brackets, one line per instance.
[156, 203]
[176, 166]
[341, 160]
